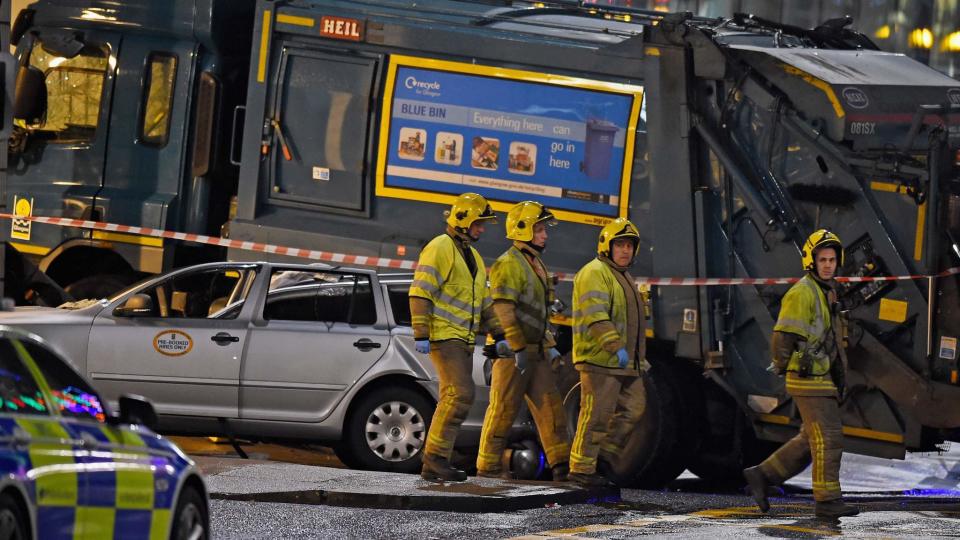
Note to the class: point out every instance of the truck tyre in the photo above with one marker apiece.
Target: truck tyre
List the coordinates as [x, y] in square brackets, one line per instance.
[386, 431]
[13, 521]
[190, 519]
[729, 456]
[97, 286]
[654, 453]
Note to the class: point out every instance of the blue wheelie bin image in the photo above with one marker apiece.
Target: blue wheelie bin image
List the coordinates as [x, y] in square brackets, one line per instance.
[598, 148]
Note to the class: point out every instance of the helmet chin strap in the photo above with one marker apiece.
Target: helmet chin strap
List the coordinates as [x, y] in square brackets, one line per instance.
[538, 249]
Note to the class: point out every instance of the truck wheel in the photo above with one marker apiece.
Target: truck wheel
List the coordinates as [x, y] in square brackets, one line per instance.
[654, 453]
[97, 286]
[723, 458]
[386, 431]
[190, 519]
[13, 522]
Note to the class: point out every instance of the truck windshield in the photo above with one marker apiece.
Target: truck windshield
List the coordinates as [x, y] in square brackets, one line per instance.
[74, 92]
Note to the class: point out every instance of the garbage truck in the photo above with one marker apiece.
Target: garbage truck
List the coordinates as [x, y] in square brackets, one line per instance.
[349, 126]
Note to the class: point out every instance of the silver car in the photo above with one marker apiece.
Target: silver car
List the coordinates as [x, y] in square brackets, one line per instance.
[266, 351]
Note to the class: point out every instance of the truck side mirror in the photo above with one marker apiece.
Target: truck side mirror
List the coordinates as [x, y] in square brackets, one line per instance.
[65, 44]
[30, 95]
[24, 21]
[138, 305]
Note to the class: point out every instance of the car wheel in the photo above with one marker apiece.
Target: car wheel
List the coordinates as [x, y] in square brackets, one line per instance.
[387, 430]
[190, 519]
[13, 524]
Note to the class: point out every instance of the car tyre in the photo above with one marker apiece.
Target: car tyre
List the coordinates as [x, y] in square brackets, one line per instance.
[13, 522]
[386, 430]
[190, 519]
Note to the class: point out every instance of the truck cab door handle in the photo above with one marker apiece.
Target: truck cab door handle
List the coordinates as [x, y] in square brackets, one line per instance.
[366, 344]
[224, 338]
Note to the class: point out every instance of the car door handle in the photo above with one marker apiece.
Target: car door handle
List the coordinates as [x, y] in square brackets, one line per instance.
[224, 338]
[366, 344]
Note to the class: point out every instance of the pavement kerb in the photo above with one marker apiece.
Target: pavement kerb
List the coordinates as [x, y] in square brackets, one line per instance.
[272, 482]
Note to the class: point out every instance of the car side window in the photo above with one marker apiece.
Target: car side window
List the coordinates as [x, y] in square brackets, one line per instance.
[204, 294]
[400, 303]
[19, 391]
[71, 393]
[328, 297]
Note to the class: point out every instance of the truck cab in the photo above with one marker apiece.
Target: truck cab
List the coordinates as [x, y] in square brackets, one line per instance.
[118, 118]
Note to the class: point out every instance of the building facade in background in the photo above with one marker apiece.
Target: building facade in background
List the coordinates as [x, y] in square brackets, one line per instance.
[927, 30]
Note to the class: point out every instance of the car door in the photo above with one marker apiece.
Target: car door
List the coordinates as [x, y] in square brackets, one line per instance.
[33, 430]
[125, 480]
[316, 334]
[184, 354]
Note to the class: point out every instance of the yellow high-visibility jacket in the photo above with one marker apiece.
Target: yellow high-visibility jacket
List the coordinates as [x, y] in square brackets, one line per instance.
[805, 312]
[513, 279]
[597, 296]
[459, 298]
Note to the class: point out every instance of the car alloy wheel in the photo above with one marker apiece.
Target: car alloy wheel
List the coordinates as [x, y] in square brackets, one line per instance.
[395, 431]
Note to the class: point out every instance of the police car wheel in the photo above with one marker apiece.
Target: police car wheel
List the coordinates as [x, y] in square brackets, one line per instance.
[190, 521]
[13, 523]
[386, 430]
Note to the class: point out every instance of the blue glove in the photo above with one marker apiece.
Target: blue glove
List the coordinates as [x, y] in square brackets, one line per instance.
[503, 349]
[423, 346]
[552, 354]
[522, 359]
[622, 356]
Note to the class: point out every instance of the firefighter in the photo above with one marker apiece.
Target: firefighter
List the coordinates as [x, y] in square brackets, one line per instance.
[521, 290]
[449, 304]
[609, 347]
[807, 346]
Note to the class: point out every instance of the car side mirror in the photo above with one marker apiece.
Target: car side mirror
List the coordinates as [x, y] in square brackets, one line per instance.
[30, 95]
[138, 305]
[136, 409]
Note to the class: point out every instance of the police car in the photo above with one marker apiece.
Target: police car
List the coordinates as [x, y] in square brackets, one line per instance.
[71, 469]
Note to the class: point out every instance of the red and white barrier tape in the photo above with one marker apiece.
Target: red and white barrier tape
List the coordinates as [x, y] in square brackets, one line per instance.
[312, 254]
[404, 264]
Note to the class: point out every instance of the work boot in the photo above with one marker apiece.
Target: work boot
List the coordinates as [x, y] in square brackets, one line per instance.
[605, 469]
[560, 472]
[588, 481]
[834, 509]
[494, 473]
[439, 468]
[757, 482]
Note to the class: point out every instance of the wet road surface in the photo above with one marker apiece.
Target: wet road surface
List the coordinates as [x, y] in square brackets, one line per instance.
[917, 497]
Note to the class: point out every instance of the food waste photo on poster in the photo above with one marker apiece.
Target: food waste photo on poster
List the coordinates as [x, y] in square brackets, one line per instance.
[509, 135]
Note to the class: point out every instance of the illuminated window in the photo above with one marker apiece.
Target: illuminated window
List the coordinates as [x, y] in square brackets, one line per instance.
[74, 93]
[158, 83]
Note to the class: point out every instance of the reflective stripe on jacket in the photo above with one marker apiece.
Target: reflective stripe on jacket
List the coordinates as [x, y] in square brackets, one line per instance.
[514, 280]
[804, 312]
[443, 277]
[597, 296]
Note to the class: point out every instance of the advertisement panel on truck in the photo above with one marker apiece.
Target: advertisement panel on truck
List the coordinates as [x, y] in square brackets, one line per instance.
[509, 135]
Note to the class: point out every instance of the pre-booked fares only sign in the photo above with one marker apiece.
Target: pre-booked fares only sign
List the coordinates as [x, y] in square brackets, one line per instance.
[509, 135]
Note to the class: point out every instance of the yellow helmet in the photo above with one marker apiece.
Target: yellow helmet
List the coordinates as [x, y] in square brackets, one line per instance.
[618, 228]
[469, 207]
[522, 218]
[815, 242]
